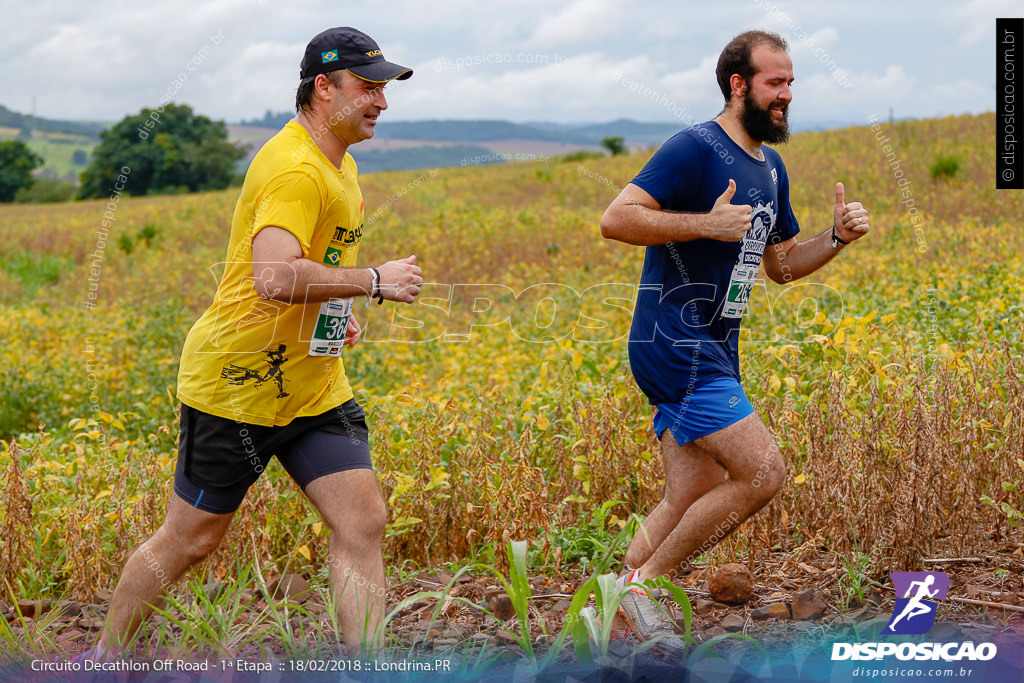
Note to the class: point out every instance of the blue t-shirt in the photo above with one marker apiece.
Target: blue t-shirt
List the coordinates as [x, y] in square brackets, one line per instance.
[692, 295]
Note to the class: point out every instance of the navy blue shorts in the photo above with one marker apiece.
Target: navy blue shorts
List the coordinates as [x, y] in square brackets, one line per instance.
[710, 407]
[219, 459]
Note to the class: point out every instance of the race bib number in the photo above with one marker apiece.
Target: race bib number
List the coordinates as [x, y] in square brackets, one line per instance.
[331, 324]
[741, 284]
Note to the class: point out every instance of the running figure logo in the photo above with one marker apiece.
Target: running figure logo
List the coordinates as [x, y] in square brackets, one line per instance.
[914, 613]
[236, 375]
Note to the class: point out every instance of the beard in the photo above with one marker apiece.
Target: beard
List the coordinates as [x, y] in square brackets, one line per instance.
[759, 124]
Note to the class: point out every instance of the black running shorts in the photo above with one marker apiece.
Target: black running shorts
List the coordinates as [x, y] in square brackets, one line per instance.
[219, 459]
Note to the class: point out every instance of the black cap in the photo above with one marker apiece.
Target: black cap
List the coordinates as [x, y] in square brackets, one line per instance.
[347, 48]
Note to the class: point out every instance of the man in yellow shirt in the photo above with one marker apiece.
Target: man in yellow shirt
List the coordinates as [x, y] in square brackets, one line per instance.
[261, 373]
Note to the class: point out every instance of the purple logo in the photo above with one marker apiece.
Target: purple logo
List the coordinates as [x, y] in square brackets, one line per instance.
[914, 612]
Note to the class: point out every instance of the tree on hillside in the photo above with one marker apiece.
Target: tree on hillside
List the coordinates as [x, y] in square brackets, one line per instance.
[17, 162]
[615, 145]
[165, 149]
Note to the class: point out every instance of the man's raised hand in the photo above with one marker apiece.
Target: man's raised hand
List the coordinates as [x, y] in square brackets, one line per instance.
[851, 220]
[728, 222]
[400, 280]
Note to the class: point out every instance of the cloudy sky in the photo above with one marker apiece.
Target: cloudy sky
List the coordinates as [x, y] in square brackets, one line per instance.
[528, 60]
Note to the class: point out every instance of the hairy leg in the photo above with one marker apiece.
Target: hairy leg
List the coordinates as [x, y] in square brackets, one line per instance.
[747, 451]
[690, 472]
[353, 508]
[187, 535]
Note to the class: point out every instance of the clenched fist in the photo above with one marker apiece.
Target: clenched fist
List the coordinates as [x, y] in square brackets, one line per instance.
[400, 280]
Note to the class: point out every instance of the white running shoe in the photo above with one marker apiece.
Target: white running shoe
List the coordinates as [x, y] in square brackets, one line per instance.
[647, 620]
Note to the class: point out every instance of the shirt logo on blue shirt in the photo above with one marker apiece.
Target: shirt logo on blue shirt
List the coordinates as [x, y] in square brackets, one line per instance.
[761, 223]
[775, 176]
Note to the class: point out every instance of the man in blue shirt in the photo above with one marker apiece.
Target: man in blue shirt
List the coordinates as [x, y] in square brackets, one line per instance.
[711, 206]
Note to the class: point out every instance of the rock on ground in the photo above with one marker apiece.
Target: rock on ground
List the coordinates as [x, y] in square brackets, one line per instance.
[732, 584]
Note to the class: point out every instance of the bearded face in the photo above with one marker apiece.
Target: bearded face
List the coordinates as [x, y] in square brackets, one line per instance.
[767, 122]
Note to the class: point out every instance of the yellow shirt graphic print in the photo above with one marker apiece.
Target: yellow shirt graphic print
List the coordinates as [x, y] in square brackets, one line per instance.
[257, 360]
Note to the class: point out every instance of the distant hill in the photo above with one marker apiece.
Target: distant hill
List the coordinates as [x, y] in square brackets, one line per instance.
[12, 119]
[475, 131]
[635, 132]
[383, 154]
[371, 161]
[399, 145]
[481, 131]
[450, 130]
[270, 120]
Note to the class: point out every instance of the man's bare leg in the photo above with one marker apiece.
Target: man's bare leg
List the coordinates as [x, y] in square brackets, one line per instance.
[187, 535]
[352, 506]
[747, 451]
[690, 472]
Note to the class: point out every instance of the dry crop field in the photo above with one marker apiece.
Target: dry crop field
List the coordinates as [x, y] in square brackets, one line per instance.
[501, 405]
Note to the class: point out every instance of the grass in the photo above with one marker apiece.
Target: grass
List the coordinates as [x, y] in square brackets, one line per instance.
[584, 543]
[854, 581]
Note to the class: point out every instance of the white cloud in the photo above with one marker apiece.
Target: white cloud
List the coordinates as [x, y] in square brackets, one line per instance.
[976, 19]
[822, 38]
[822, 96]
[579, 86]
[698, 85]
[582, 22]
[950, 98]
[588, 87]
[893, 80]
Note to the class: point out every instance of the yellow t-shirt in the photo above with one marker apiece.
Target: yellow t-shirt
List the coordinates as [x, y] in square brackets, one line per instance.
[265, 362]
